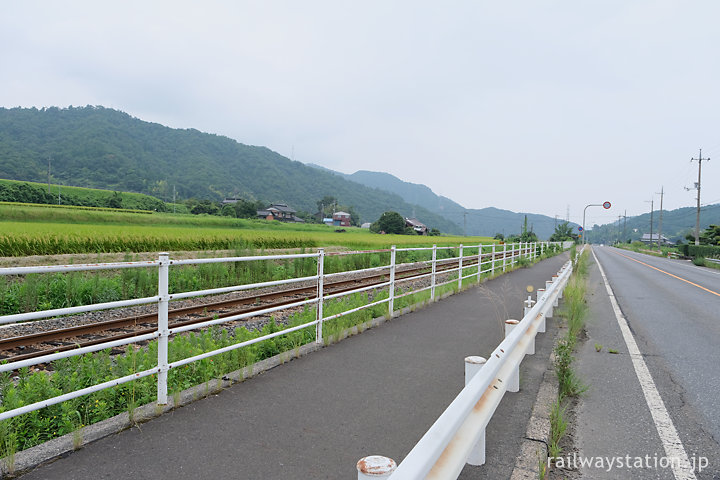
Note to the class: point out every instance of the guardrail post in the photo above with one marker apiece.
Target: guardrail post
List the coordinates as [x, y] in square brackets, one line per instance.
[480, 247]
[541, 327]
[557, 297]
[391, 303]
[375, 467]
[513, 383]
[163, 300]
[548, 284]
[473, 365]
[320, 295]
[432, 275]
[460, 268]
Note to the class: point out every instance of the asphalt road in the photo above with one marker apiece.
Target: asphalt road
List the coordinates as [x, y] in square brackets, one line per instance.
[673, 310]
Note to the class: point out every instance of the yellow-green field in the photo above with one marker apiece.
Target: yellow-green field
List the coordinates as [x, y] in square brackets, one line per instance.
[39, 230]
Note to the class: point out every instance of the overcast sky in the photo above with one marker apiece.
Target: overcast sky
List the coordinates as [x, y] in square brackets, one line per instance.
[531, 106]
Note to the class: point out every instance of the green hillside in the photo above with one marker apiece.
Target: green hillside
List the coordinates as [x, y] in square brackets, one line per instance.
[675, 225]
[103, 148]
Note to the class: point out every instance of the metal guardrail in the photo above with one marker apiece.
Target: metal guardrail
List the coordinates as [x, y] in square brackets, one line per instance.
[458, 436]
[486, 263]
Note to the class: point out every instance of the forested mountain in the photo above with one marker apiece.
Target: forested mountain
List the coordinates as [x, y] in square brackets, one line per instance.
[486, 221]
[104, 148]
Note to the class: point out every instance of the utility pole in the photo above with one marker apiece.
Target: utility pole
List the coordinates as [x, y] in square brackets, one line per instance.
[556, 222]
[465, 223]
[624, 225]
[651, 219]
[618, 228]
[697, 186]
[660, 221]
[48, 175]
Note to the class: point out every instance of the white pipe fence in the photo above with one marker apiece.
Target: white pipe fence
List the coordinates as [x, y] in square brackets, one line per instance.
[458, 435]
[487, 260]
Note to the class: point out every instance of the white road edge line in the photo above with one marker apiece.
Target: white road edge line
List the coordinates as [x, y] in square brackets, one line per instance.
[672, 444]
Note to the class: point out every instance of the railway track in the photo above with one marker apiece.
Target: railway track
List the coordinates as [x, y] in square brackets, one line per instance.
[43, 342]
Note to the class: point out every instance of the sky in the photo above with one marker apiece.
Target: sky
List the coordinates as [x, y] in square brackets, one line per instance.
[530, 106]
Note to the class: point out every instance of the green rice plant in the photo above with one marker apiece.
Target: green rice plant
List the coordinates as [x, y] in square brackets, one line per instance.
[8, 447]
[569, 384]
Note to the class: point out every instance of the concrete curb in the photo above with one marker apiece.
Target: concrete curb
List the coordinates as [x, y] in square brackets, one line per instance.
[534, 447]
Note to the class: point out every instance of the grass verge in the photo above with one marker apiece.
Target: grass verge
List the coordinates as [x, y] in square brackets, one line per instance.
[570, 386]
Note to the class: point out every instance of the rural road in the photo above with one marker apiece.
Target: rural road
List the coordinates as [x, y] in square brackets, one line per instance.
[672, 309]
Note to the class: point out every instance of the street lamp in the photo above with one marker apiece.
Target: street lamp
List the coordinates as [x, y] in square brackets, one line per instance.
[605, 205]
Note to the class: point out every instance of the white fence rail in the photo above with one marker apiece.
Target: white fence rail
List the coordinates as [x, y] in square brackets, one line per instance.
[457, 437]
[489, 259]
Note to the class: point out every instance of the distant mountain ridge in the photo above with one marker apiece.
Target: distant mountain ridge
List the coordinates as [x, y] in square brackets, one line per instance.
[485, 221]
[100, 147]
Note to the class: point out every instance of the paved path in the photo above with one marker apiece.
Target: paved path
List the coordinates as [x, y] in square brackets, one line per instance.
[314, 417]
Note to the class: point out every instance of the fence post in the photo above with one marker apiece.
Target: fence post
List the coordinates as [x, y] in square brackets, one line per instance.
[460, 268]
[504, 255]
[542, 248]
[320, 295]
[391, 303]
[492, 265]
[473, 365]
[163, 300]
[432, 275]
[479, 262]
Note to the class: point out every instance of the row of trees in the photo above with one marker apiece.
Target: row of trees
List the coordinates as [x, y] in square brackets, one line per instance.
[27, 193]
[393, 222]
[563, 232]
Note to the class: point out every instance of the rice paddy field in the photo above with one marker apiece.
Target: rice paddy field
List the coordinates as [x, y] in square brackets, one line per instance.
[39, 230]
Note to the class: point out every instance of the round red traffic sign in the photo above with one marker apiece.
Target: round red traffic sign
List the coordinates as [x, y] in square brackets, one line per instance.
[607, 205]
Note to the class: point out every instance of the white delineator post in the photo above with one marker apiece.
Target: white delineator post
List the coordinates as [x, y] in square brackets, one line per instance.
[391, 303]
[513, 383]
[473, 364]
[163, 301]
[320, 295]
[375, 467]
